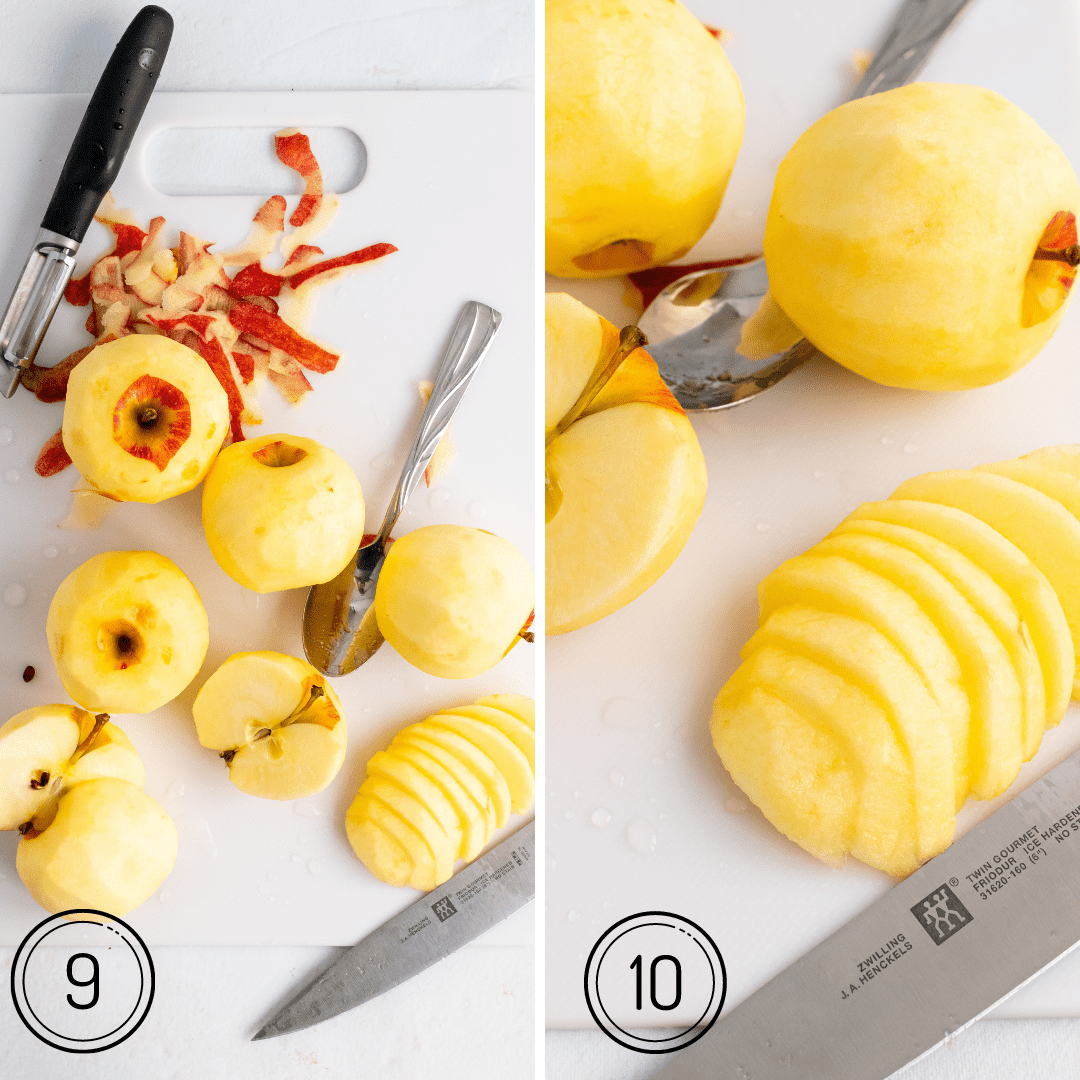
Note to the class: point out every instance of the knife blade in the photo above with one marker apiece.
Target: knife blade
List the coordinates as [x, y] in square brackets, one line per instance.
[92, 164]
[929, 958]
[487, 891]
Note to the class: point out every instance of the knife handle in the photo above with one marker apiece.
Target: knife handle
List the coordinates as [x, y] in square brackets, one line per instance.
[109, 123]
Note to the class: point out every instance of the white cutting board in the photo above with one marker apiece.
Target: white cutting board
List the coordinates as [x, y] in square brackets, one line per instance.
[629, 698]
[449, 181]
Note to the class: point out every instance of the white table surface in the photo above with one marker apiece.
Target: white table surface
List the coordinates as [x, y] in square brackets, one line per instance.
[473, 1015]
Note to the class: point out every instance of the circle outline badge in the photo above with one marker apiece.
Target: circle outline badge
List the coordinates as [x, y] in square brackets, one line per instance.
[608, 939]
[37, 935]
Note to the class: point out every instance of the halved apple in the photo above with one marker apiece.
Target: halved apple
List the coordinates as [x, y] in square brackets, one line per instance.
[625, 475]
[277, 723]
[144, 418]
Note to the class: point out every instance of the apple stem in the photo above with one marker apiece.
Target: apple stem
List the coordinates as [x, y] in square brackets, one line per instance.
[527, 635]
[100, 720]
[630, 339]
[148, 416]
[1070, 255]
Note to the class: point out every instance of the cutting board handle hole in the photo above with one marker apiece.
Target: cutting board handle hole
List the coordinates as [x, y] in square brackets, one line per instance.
[241, 161]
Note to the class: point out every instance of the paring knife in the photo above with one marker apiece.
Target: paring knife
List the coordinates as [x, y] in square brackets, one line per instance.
[95, 157]
[940, 949]
[472, 901]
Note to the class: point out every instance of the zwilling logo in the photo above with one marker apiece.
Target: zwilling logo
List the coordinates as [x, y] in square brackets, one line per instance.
[444, 909]
[941, 914]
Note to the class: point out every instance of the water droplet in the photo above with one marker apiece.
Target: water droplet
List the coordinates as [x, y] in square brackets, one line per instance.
[569, 814]
[14, 595]
[251, 600]
[202, 836]
[382, 461]
[6, 435]
[615, 777]
[626, 714]
[272, 899]
[304, 809]
[886, 441]
[476, 510]
[271, 877]
[601, 817]
[579, 794]
[762, 526]
[296, 859]
[663, 815]
[175, 790]
[315, 866]
[572, 915]
[438, 497]
[163, 896]
[736, 804]
[51, 551]
[819, 473]
[641, 836]
[910, 448]
[12, 476]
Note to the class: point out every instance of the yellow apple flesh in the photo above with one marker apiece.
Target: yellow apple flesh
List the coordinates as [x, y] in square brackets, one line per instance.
[282, 512]
[277, 723]
[127, 632]
[109, 847]
[644, 121]
[902, 234]
[440, 788]
[625, 481]
[144, 418]
[453, 600]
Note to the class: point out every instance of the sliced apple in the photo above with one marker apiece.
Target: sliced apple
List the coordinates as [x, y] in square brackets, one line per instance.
[524, 708]
[1038, 604]
[277, 723]
[474, 805]
[1036, 523]
[992, 604]
[391, 766]
[798, 773]
[367, 808]
[520, 734]
[506, 757]
[625, 475]
[381, 852]
[995, 739]
[443, 847]
[864, 657]
[471, 758]
[838, 584]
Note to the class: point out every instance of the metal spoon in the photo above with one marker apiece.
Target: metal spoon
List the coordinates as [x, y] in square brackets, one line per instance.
[695, 324]
[340, 631]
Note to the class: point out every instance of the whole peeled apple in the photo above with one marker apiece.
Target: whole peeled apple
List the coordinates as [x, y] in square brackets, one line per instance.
[925, 237]
[127, 631]
[644, 121]
[625, 476]
[282, 512]
[144, 418]
[454, 600]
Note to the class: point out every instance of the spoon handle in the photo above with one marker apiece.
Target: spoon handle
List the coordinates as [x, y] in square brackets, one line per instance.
[469, 343]
[919, 25]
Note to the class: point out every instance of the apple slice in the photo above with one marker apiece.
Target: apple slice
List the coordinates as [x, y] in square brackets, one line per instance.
[443, 846]
[864, 657]
[506, 757]
[277, 723]
[367, 808]
[520, 734]
[399, 770]
[884, 833]
[470, 758]
[1064, 458]
[995, 740]
[799, 774]
[990, 602]
[524, 708]
[378, 850]
[475, 809]
[838, 584]
[1038, 604]
[1036, 523]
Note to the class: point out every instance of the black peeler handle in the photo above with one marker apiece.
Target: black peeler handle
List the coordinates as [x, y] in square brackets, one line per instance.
[109, 123]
